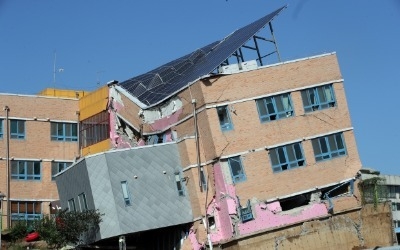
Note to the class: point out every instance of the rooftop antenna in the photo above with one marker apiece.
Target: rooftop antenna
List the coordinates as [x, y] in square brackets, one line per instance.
[54, 68]
[98, 76]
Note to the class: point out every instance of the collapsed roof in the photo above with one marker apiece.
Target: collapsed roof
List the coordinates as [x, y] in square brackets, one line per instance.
[161, 83]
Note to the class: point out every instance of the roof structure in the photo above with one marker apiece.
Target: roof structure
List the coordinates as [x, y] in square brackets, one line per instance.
[161, 83]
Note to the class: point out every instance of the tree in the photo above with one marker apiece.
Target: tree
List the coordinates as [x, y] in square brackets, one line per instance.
[69, 227]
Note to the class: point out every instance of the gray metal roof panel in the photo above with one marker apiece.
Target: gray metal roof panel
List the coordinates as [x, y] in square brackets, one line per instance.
[154, 196]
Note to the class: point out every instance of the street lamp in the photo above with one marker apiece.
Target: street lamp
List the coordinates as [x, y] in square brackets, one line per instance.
[1, 216]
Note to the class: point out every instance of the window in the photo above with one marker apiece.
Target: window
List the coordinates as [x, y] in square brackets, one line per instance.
[64, 131]
[395, 206]
[1, 128]
[26, 170]
[327, 147]
[274, 107]
[203, 180]
[125, 193]
[393, 190]
[287, 157]
[245, 212]
[17, 129]
[82, 202]
[25, 211]
[318, 98]
[94, 129]
[178, 181]
[236, 167]
[71, 205]
[224, 118]
[57, 167]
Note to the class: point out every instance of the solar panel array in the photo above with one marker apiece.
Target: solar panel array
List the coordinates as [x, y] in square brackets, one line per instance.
[159, 84]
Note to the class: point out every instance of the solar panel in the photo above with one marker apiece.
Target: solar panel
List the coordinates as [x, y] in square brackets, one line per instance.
[161, 83]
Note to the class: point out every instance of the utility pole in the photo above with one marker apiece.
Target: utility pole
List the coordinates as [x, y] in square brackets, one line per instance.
[7, 109]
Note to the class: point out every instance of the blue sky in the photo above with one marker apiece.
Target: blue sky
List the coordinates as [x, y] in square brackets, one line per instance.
[96, 41]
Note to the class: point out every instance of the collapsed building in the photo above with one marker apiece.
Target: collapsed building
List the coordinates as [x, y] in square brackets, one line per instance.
[213, 149]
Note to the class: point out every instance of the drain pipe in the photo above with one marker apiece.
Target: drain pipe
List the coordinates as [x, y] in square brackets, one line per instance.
[7, 109]
[196, 134]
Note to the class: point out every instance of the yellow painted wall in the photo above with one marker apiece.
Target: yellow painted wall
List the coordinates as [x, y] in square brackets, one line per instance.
[93, 103]
[97, 148]
[63, 93]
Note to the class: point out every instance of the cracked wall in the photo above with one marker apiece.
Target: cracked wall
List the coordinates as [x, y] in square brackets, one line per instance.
[223, 210]
[364, 228]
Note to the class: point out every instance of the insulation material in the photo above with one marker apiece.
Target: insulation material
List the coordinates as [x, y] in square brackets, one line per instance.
[168, 136]
[116, 96]
[114, 105]
[166, 110]
[166, 121]
[274, 207]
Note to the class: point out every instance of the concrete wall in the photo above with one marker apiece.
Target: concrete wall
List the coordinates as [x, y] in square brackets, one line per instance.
[355, 229]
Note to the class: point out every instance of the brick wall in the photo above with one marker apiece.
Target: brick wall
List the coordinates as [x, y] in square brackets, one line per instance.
[37, 144]
[250, 137]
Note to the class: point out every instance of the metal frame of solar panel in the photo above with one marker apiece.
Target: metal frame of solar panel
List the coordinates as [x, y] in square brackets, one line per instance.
[161, 83]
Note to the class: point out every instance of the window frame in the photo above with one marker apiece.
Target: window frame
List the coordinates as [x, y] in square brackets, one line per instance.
[224, 117]
[1, 128]
[246, 213]
[63, 165]
[312, 99]
[20, 170]
[21, 211]
[240, 176]
[287, 157]
[61, 130]
[203, 179]
[71, 203]
[179, 184]
[82, 202]
[322, 147]
[125, 193]
[94, 129]
[16, 124]
[277, 103]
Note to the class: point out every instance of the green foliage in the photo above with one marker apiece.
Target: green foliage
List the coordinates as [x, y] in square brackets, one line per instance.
[373, 190]
[46, 227]
[67, 227]
[18, 231]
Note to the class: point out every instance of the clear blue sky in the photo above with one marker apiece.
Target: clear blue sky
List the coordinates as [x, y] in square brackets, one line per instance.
[97, 41]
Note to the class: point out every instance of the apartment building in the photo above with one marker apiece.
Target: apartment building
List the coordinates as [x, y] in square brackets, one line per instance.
[261, 147]
[38, 138]
[393, 186]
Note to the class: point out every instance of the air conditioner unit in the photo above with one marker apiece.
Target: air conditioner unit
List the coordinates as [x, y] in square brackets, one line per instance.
[249, 65]
[227, 69]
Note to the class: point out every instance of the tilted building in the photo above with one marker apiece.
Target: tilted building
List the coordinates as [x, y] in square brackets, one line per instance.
[214, 149]
[261, 146]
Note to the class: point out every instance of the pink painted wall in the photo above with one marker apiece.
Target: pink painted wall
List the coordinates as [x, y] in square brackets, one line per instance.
[165, 122]
[193, 240]
[223, 204]
[265, 218]
[116, 140]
